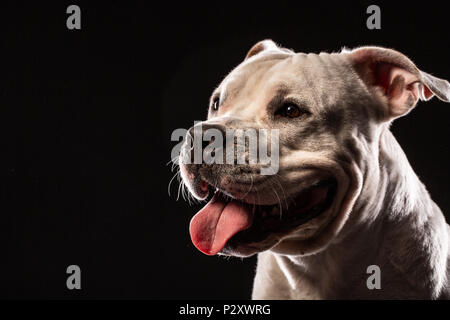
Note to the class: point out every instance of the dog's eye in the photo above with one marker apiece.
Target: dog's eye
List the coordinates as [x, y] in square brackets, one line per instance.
[289, 110]
[215, 105]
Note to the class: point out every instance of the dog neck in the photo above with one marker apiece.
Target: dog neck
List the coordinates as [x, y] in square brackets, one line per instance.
[388, 227]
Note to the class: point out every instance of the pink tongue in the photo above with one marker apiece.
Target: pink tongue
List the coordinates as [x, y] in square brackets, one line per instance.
[217, 222]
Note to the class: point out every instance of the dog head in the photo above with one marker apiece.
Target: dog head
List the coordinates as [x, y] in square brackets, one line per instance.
[328, 111]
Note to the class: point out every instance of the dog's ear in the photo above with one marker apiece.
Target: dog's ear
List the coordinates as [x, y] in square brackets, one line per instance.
[261, 46]
[396, 78]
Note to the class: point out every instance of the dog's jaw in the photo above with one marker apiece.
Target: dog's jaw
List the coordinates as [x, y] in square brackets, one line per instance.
[308, 236]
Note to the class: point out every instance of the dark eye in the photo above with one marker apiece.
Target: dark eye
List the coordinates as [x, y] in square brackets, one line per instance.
[289, 110]
[215, 105]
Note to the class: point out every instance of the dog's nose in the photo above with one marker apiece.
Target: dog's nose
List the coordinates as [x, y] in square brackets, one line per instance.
[203, 134]
[200, 132]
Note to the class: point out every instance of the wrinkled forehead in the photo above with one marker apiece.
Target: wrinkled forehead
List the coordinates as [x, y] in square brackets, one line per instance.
[316, 78]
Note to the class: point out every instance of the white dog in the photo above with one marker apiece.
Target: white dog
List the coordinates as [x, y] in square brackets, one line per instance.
[344, 198]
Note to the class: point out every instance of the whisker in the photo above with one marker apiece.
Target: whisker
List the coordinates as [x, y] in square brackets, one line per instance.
[285, 197]
[180, 185]
[250, 188]
[279, 200]
[186, 195]
[171, 180]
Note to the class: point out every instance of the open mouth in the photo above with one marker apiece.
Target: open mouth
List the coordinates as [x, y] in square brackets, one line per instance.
[230, 222]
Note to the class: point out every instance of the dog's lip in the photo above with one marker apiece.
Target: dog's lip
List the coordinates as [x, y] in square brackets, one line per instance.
[249, 193]
[245, 190]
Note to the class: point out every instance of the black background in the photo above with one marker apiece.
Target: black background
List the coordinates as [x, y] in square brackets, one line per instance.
[86, 117]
